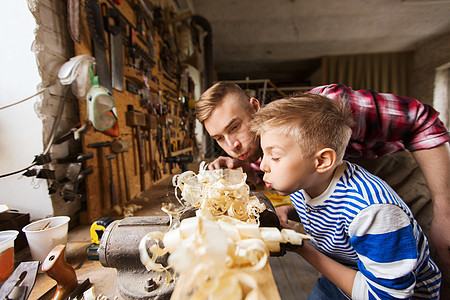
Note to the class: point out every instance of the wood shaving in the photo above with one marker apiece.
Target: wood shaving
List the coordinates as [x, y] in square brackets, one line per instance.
[222, 244]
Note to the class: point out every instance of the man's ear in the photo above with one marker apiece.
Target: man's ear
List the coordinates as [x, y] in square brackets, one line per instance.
[325, 160]
[254, 104]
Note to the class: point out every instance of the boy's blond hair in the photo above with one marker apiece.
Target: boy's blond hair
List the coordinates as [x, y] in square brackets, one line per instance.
[314, 121]
[215, 94]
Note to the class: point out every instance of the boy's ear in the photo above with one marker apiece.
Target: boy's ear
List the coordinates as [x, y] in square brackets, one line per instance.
[254, 104]
[325, 160]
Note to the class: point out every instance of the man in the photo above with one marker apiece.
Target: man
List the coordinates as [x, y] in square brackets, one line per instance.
[385, 124]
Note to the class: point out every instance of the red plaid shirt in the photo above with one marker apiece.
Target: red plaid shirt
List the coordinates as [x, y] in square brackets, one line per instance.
[386, 123]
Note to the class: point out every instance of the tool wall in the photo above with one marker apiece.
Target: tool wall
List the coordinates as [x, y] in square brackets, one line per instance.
[140, 121]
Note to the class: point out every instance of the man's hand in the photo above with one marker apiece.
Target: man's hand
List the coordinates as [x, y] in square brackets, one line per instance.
[231, 163]
[224, 162]
[440, 236]
[284, 213]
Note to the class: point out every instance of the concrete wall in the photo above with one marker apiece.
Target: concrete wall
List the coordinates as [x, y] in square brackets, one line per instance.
[428, 56]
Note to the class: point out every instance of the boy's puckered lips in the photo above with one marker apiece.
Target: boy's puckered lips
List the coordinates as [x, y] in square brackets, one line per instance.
[268, 184]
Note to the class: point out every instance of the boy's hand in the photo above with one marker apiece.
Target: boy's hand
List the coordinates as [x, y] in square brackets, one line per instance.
[283, 213]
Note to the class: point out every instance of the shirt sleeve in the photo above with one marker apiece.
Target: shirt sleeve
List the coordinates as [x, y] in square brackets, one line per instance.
[386, 123]
[383, 237]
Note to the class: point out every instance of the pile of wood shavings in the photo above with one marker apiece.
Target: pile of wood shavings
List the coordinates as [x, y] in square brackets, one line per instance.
[218, 249]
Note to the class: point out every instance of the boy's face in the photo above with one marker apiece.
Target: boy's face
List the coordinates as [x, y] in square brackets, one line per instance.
[229, 126]
[284, 166]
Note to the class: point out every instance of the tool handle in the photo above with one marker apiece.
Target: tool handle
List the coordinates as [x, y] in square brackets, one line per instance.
[55, 267]
[100, 144]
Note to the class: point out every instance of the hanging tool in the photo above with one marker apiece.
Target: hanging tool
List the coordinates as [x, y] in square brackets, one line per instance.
[136, 120]
[181, 160]
[97, 29]
[115, 27]
[120, 146]
[73, 16]
[20, 282]
[102, 169]
[112, 187]
[69, 192]
[74, 158]
[168, 150]
[73, 132]
[150, 123]
[160, 143]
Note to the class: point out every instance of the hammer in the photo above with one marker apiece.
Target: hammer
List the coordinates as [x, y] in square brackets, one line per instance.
[100, 159]
[120, 146]
[112, 187]
[136, 120]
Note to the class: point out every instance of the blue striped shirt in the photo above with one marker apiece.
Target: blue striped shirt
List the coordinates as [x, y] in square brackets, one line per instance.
[362, 223]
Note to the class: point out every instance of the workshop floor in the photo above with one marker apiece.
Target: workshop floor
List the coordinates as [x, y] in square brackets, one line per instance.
[293, 275]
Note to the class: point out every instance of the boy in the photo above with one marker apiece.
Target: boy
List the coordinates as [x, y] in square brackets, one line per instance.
[366, 241]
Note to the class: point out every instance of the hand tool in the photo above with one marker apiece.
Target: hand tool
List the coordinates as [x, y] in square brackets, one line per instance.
[136, 120]
[144, 138]
[181, 160]
[159, 141]
[102, 170]
[21, 281]
[132, 87]
[19, 291]
[75, 132]
[77, 293]
[69, 192]
[115, 28]
[150, 123]
[46, 173]
[112, 187]
[73, 15]
[55, 267]
[120, 146]
[97, 29]
[168, 150]
[75, 158]
[97, 229]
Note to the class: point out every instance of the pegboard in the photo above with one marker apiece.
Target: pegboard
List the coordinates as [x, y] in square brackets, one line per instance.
[152, 109]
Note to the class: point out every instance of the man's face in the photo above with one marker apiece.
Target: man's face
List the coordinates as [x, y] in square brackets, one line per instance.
[229, 126]
[285, 168]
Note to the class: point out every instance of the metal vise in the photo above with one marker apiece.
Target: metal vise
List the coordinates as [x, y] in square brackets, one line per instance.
[119, 249]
